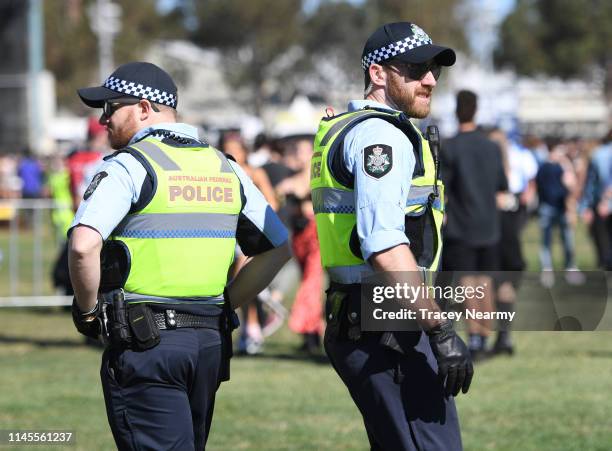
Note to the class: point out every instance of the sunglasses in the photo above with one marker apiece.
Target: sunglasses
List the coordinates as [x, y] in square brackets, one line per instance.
[111, 106]
[417, 71]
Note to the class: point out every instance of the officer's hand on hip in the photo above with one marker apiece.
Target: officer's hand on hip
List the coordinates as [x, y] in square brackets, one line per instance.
[453, 356]
[86, 323]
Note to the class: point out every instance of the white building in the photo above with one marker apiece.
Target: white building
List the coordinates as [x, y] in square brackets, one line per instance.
[541, 106]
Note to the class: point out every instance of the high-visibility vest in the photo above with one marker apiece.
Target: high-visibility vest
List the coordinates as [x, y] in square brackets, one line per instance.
[181, 243]
[62, 214]
[334, 203]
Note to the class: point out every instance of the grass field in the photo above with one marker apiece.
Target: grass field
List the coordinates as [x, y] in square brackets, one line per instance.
[555, 394]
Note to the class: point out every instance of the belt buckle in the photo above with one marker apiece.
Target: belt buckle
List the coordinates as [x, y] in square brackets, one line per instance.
[170, 315]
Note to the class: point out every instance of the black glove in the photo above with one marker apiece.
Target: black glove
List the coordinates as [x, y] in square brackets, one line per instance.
[454, 360]
[91, 328]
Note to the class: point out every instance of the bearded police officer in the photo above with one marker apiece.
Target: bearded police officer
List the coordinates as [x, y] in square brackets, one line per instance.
[379, 206]
[150, 249]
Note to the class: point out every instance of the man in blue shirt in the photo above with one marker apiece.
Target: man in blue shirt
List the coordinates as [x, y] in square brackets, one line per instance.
[596, 201]
[31, 174]
[397, 380]
[161, 373]
[555, 181]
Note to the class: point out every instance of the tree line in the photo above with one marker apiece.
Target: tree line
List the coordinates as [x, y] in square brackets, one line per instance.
[272, 48]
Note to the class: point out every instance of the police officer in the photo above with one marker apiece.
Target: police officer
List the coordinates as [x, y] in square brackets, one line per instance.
[378, 207]
[169, 210]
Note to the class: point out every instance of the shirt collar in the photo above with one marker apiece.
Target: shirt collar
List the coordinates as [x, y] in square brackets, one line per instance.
[355, 105]
[181, 129]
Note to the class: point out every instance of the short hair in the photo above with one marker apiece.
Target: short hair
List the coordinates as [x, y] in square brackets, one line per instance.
[230, 135]
[166, 108]
[261, 140]
[552, 142]
[467, 102]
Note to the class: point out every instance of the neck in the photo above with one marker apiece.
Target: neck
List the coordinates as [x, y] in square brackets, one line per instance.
[467, 126]
[156, 123]
[378, 95]
[158, 119]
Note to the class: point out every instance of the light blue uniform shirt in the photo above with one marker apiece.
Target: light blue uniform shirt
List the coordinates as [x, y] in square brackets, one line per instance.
[111, 200]
[379, 203]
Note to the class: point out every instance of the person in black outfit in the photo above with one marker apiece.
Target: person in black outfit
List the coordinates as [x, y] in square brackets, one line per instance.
[473, 173]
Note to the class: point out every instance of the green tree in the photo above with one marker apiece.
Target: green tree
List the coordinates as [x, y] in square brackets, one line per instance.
[333, 38]
[254, 37]
[565, 38]
[337, 31]
[71, 51]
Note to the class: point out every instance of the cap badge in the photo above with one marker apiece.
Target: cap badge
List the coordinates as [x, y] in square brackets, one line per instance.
[419, 33]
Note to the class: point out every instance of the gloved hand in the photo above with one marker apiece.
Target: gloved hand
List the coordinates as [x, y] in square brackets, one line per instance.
[453, 356]
[84, 323]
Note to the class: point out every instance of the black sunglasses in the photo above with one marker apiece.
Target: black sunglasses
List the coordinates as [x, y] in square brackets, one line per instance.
[417, 71]
[110, 106]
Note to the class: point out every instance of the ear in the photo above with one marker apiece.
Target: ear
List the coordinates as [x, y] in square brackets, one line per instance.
[378, 75]
[144, 109]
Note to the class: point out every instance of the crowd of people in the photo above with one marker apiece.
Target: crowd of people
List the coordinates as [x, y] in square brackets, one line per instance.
[281, 171]
[558, 181]
[555, 180]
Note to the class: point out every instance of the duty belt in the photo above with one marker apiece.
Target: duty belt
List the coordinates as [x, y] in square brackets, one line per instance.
[170, 319]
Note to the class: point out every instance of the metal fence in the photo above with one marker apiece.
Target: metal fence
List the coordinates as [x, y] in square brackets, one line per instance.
[36, 214]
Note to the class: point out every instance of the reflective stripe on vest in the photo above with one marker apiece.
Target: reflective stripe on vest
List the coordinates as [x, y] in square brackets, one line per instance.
[179, 225]
[181, 244]
[334, 203]
[333, 200]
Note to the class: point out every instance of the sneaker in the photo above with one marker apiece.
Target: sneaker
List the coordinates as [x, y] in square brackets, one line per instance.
[503, 345]
[311, 343]
[573, 276]
[476, 346]
[547, 278]
[478, 355]
[249, 346]
[253, 346]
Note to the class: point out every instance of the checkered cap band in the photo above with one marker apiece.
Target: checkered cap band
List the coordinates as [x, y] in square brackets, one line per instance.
[391, 50]
[143, 92]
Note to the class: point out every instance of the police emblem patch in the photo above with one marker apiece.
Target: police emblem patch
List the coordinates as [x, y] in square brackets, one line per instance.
[94, 184]
[377, 160]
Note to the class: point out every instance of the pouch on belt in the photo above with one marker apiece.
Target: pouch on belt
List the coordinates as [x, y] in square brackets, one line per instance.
[127, 325]
[343, 313]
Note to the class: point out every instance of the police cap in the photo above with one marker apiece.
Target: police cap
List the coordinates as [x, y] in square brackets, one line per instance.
[405, 42]
[138, 79]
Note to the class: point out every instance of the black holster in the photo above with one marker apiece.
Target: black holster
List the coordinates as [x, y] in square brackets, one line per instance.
[115, 319]
[343, 312]
[114, 266]
[128, 326]
[229, 322]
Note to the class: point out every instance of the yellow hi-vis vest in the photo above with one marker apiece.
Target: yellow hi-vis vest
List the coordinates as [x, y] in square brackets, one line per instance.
[334, 203]
[62, 214]
[181, 244]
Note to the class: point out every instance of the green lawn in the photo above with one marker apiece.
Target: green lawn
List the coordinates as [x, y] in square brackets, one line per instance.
[26, 253]
[555, 394]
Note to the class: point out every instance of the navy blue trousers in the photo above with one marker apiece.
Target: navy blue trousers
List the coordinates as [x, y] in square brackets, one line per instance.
[410, 415]
[163, 398]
